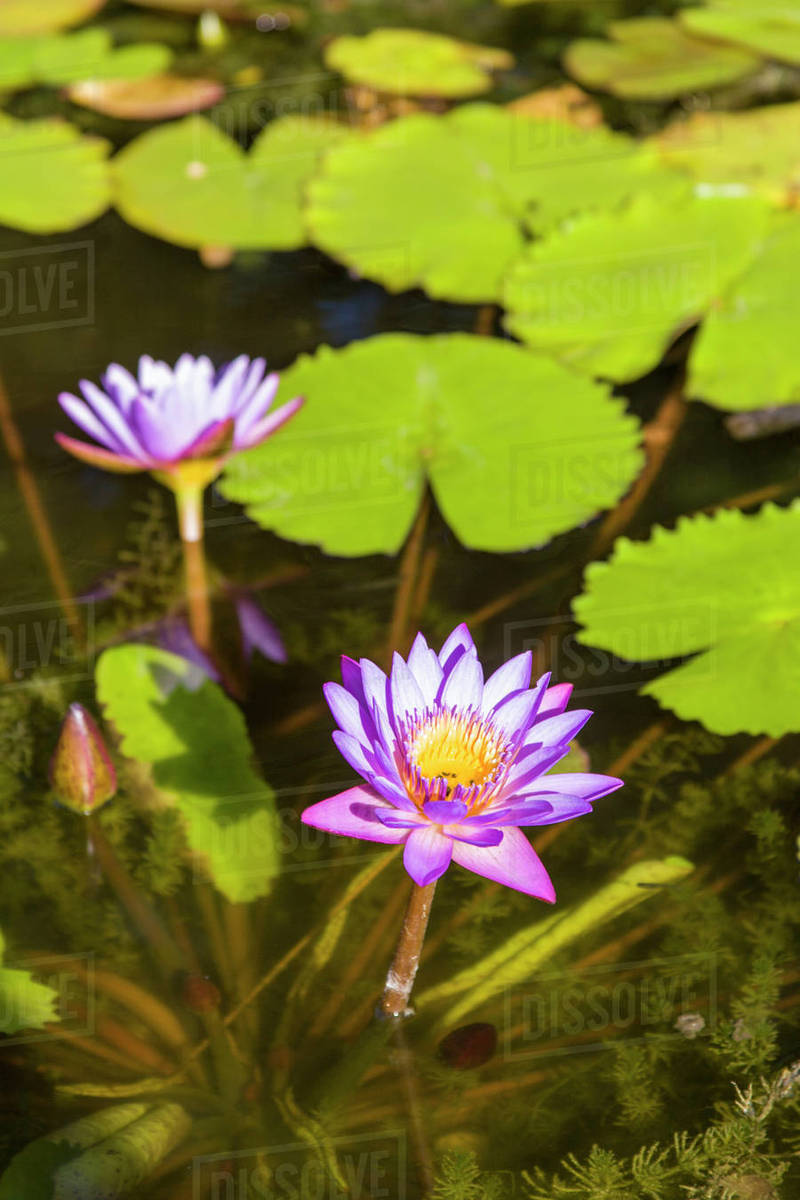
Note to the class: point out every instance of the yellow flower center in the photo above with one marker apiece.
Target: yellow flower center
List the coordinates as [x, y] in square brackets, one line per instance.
[457, 747]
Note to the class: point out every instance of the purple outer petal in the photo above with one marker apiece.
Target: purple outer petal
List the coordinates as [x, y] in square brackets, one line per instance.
[427, 670]
[455, 645]
[395, 818]
[348, 713]
[581, 785]
[555, 700]
[554, 731]
[553, 811]
[268, 425]
[513, 676]
[513, 863]
[463, 686]
[353, 813]
[475, 835]
[95, 456]
[427, 855]
[406, 697]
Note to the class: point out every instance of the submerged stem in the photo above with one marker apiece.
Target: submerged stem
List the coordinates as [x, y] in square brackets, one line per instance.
[190, 520]
[403, 971]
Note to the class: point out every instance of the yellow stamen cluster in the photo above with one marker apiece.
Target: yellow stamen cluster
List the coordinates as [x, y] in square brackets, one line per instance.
[455, 747]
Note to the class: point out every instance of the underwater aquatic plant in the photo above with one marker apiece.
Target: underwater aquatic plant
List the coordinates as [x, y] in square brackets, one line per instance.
[455, 767]
[81, 771]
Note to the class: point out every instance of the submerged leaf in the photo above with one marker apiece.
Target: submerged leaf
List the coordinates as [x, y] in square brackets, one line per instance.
[24, 1003]
[723, 588]
[517, 449]
[53, 178]
[745, 356]
[189, 183]
[652, 58]
[413, 62]
[609, 293]
[171, 717]
[447, 203]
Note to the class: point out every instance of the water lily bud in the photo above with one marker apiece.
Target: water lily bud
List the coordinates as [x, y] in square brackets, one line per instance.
[81, 772]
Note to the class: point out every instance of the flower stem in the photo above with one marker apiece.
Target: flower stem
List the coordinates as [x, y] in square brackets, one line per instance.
[402, 972]
[190, 520]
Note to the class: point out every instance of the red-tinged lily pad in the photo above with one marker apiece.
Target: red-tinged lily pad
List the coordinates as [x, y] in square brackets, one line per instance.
[151, 99]
[19, 17]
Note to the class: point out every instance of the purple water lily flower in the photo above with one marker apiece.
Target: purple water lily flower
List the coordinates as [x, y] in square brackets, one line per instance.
[167, 416]
[455, 766]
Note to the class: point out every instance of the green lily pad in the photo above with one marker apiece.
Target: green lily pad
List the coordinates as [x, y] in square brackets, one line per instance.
[189, 183]
[759, 148]
[516, 448]
[20, 17]
[411, 62]
[65, 58]
[447, 203]
[766, 28]
[53, 177]
[151, 99]
[609, 293]
[723, 588]
[195, 741]
[745, 356]
[652, 58]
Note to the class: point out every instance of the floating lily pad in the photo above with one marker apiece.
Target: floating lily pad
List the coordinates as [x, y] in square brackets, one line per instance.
[53, 178]
[446, 203]
[411, 62]
[609, 293]
[766, 28]
[170, 716]
[189, 183]
[745, 356]
[759, 148]
[64, 58]
[19, 17]
[517, 449]
[149, 99]
[723, 588]
[652, 58]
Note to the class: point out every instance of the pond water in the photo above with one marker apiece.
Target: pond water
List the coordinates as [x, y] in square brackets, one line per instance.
[237, 1012]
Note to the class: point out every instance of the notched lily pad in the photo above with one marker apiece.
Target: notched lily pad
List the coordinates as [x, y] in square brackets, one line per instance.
[766, 28]
[609, 293]
[723, 589]
[447, 203]
[652, 58]
[759, 149]
[191, 184]
[745, 356]
[516, 448]
[412, 62]
[151, 99]
[19, 17]
[53, 177]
